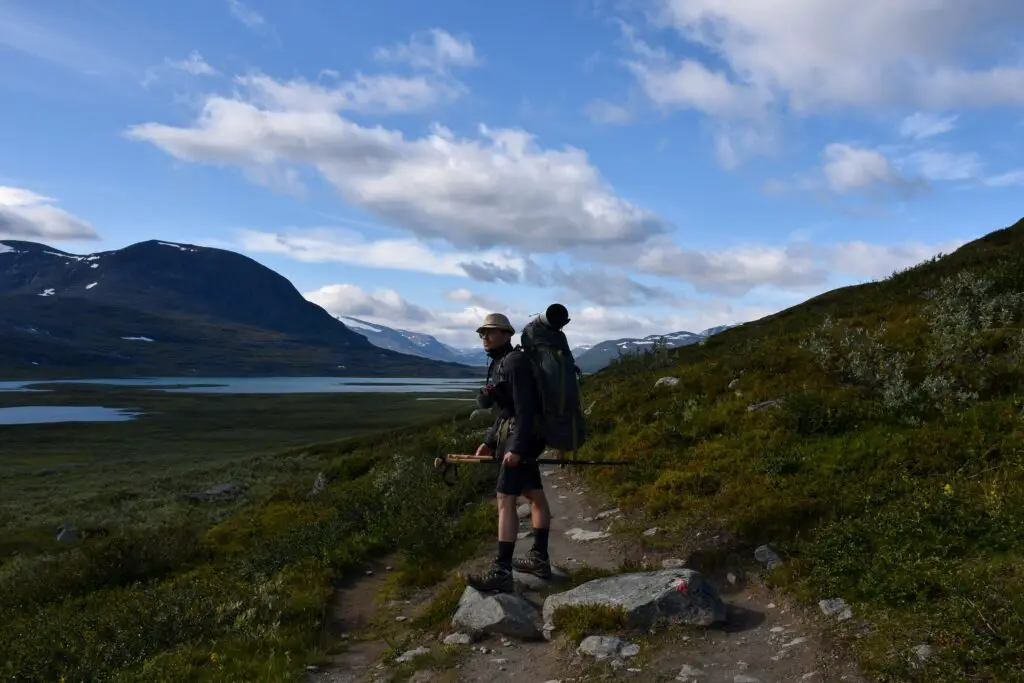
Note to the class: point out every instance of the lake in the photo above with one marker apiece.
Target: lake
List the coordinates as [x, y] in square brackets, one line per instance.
[224, 385]
[26, 415]
[269, 385]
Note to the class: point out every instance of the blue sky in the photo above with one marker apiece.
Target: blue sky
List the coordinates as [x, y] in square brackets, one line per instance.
[656, 165]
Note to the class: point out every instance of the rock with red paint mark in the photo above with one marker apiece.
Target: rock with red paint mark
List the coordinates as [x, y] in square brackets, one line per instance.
[680, 596]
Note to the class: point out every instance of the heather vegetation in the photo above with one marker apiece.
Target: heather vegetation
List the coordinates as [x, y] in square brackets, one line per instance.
[224, 590]
[874, 437]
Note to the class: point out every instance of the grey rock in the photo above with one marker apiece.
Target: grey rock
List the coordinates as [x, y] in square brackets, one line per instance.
[410, 655]
[524, 511]
[763, 405]
[319, 484]
[688, 673]
[648, 598]
[743, 678]
[766, 555]
[67, 533]
[735, 383]
[538, 584]
[458, 639]
[836, 606]
[673, 563]
[219, 492]
[629, 650]
[583, 535]
[601, 647]
[502, 614]
[923, 652]
[667, 381]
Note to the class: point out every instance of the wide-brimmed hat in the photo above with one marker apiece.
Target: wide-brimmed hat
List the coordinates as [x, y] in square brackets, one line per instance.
[496, 321]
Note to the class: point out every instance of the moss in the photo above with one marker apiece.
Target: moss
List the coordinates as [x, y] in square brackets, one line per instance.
[579, 621]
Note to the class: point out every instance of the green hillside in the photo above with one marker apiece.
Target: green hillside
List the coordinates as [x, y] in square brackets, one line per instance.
[890, 475]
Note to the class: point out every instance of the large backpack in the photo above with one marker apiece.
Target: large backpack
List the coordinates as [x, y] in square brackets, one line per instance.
[556, 375]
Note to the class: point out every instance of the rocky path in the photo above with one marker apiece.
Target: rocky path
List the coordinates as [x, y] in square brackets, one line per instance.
[762, 640]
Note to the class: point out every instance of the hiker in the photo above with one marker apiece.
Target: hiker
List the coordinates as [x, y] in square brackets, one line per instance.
[517, 439]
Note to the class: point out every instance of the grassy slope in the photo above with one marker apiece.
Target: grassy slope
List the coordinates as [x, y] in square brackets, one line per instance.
[892, 474]
[221, 591]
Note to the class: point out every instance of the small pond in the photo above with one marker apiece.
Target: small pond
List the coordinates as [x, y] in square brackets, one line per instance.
[25, 415]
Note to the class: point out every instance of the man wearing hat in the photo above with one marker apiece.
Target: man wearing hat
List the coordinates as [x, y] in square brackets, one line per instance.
[516, 438]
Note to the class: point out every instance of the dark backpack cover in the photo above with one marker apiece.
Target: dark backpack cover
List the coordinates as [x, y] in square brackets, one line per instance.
[557, 378]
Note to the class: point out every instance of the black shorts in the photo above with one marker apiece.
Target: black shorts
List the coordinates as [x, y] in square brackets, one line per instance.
[514, 481]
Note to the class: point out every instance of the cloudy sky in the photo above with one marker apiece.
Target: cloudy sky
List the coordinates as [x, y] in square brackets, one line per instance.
[656, 165]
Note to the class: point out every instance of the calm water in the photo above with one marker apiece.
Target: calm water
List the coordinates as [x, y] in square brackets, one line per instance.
[271, 385]
[26, 415]
[225, 385]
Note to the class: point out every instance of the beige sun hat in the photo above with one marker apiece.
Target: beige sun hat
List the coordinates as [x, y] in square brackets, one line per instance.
[496, 321]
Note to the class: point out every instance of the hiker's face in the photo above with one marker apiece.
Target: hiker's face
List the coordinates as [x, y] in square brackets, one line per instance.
[494, 339]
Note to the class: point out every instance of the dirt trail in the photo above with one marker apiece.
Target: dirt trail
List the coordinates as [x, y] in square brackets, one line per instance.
[765, 641]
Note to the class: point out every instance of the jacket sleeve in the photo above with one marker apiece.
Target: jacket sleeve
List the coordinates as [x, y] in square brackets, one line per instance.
[525, 402]
[491, 435]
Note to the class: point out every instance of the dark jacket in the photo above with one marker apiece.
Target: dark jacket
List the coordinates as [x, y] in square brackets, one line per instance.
[515, 395]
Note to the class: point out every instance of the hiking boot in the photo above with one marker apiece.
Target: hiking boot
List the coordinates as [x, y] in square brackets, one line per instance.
[496, 579]
[534, 563]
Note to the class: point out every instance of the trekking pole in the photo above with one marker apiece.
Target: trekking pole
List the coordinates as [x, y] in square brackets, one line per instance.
[453, 460]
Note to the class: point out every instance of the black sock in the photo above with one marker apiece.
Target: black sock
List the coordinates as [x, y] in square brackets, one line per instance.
[540, 541]
[505, 550]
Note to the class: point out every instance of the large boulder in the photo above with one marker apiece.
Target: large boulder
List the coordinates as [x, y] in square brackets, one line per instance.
[504, 614]
[648, 598]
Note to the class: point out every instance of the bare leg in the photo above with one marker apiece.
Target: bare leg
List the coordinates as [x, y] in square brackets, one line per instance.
[539, 508]
[508, 521]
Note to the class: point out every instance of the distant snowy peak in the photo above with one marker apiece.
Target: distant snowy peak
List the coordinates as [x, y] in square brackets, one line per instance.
[412, 343]
[600, 355]
[360, 325]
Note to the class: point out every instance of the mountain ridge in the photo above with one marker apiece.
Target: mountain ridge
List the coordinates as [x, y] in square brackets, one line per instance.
[207, 310]
[599, 356]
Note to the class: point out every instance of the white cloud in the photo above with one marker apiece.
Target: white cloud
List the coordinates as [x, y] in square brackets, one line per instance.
[921, 125]
[320, 245]
[733, 271]
[474, 300]
[848, 168]
[607, 287]
[434, 50]
[246, 15]
[766, 60]
[874, 261]
[30, 216]
[194, 65]
[691, 85]
[386, 304]
[808, 55]
[376, 94]
[606, 113]
[1007, 179]
[590, 324]
[938, 165]
[500, 188]
[799, 267]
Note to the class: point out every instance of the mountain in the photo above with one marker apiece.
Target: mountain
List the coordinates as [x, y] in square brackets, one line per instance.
[413, 343]
[162, 308]
[600, 355]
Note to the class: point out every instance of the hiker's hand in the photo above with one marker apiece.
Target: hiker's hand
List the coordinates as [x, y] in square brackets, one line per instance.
[511, 459]
[484, 451]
